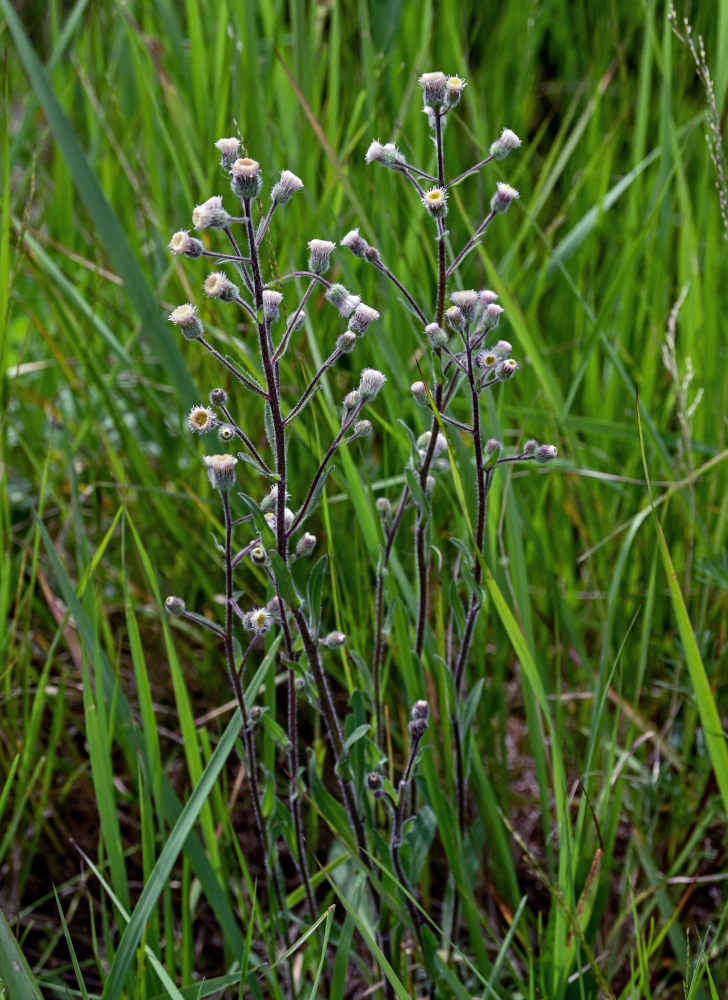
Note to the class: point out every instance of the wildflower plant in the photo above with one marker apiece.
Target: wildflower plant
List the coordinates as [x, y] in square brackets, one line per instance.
[266, 527]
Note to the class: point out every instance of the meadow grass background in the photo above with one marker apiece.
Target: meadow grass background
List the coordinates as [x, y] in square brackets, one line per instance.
[107, 718]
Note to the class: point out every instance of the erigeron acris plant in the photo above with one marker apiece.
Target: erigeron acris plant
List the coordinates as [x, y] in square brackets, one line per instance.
[466, 359]
[275, 530]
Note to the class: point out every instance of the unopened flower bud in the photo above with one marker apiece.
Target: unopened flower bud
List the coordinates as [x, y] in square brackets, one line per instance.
[255, 714]
[454, 90]
[269, 501]
[466, 301]
[502, 348]
[360, 319]
[374, 781]
[530, 446]
[492, 445]
[506, 369]
[218, 397]
[245, 178]
[420, 710]
[185, 317]
[436, 335]
[419, 391]
[342, 299]
[221, 471]
[354, 242]
[384, 508]
[201, 419]
[333, 639]
[435, 201]
[226, 432]
[352, 400]
[175, 606]
[370, 384]
[218, 286]
[500, 149]
[258, 555]
[271, 304]
[545, 453]
[486, 296]
[183, 243]
[362, 428]
[372, 255]
[306, 544]
[210, 214]
[492, 315]
[319, 260]
[228, 151]
[346, 342]
[288, 518]
[503, 197]
[455, 318]
[388, 155]
[434, 86]
[274, 606]
[284, 189]
[298, 320]
[299, 683]
[429, 485]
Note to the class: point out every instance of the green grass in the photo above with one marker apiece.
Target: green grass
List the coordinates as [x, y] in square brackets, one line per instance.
[595, 853]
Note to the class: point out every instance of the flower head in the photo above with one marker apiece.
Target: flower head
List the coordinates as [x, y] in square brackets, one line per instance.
[388, 155]
[354, 242]
[454, 90]
[210, 214]
[218, 286]
[258, 620]
[506, 369]
[201, 419]
[221, 470]
[492, 315]
[185, 317]
[271, 304]
[245, 178]
[435, 201]
[283, 190]
[503, 197]
[228, 151]
[500, 149]
[370, 384]
[466, 301]
[185, 244]
[175, 606]
[343, 299]
[319, 260]
[360, 319]
[434, 87]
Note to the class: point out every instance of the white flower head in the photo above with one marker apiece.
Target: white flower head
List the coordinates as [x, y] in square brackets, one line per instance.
[210, 214]
[284, 189]
[503, 197]
[201, 419]
[228, 151]
[185, 317]
[500, 149]
[258, 621]
[370, 384]
[221, 470]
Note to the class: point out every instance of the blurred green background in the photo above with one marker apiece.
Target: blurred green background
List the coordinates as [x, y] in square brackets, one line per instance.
[109, 114]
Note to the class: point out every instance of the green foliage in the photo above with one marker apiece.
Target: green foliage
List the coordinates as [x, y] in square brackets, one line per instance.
[595, 728]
